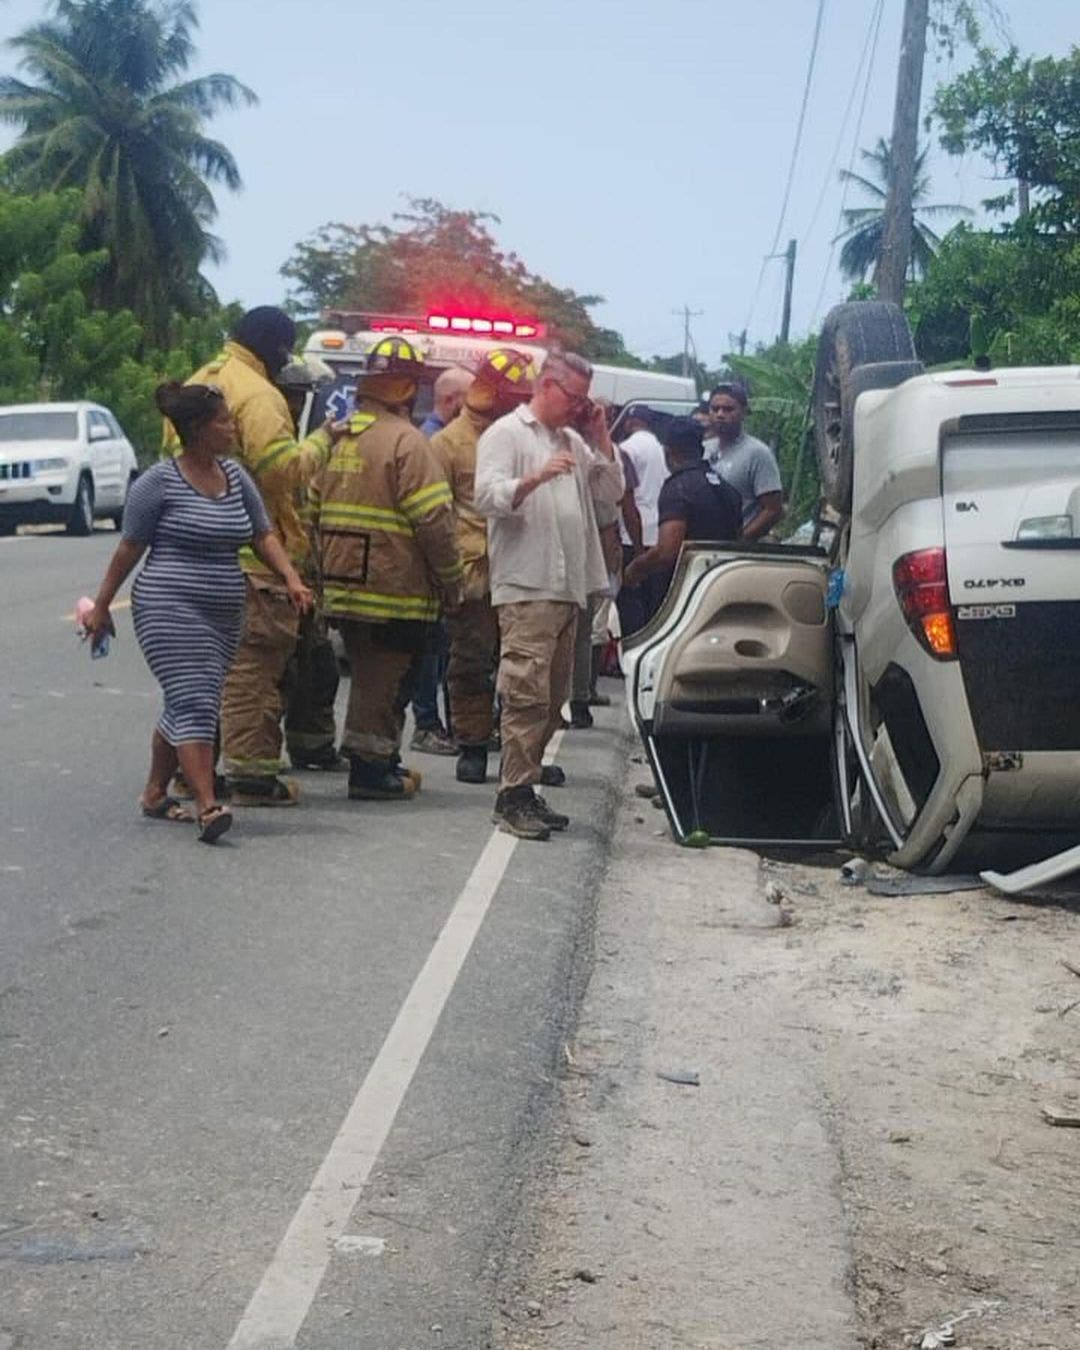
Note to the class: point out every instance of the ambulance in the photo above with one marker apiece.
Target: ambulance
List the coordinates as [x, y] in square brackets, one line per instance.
[453, 339]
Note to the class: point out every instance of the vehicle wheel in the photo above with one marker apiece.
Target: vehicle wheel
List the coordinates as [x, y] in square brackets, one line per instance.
[117, 517]
[863, 332]
[81, 519]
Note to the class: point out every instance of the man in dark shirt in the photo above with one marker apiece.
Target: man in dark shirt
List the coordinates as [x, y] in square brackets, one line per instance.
[695, 503]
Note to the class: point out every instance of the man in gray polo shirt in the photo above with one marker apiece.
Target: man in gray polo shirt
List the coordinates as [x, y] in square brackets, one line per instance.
[743, 461]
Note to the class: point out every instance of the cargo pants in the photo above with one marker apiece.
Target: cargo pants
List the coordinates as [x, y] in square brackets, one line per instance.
[379, 691]
[536, 662]
[474, 658]
[252, 701]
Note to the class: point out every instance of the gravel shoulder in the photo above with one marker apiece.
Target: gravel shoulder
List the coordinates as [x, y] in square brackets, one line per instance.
[865, 1161]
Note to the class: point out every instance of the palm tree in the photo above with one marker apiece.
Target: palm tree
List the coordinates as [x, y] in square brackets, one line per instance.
[106, 114]
[866, 224]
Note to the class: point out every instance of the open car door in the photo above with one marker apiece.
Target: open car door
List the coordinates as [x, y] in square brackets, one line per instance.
[731, 687]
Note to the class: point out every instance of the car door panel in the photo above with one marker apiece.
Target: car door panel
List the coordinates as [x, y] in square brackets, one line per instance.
[731, 688]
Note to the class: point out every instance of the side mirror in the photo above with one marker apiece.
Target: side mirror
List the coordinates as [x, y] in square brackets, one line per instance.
[99, 433]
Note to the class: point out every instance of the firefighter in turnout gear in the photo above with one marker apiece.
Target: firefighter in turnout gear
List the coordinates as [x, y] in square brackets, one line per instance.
[387, 557]
[253, 700]
[311, 678]
[503, 381]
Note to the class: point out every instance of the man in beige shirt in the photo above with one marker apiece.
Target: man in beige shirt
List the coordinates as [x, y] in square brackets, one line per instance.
[537, 482]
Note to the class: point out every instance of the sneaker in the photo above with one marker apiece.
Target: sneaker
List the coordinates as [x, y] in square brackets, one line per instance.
[378, 780]
[580, 716]
[552, 776]
[517, 812]
[554, 820]
[472, 764]
[433, 741]
[263, 791]
[327, 759]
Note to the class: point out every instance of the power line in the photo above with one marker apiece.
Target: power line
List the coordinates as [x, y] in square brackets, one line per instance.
[827, 181]
[850, 164]
[811, 65]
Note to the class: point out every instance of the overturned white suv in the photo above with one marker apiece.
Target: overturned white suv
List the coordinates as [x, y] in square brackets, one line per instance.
[913, 689]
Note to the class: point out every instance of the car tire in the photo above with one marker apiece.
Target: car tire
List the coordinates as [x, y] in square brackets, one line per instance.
[862, 333]
[117, 517]
[80, 520]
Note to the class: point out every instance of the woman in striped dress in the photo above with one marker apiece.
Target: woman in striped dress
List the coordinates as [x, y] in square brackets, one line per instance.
[193, 513]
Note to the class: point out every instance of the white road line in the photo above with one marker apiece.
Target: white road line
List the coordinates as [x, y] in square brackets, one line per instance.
[280, 1304]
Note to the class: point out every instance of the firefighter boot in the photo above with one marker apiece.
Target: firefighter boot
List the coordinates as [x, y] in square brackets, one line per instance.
[472, 764]
[378, 780]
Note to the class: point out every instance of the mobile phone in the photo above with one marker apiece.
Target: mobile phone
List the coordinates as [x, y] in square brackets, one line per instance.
[583, 421]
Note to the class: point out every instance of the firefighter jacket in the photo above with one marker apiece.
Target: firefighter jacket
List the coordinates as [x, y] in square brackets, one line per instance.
[455, 446]
[383, 524]
[267, 446]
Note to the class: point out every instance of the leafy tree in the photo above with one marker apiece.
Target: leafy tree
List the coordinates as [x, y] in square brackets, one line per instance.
[433, 257]
[56, 344]
[1009, 295]
[865, 230]
[105, 113]
[1024, 114]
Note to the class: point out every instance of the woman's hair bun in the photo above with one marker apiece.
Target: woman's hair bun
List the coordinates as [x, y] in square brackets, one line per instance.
[188, 406]
[168, 397]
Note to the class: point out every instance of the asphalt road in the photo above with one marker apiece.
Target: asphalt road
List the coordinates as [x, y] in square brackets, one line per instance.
[278, 1092]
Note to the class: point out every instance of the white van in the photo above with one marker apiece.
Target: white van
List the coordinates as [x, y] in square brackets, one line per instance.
[464, 340]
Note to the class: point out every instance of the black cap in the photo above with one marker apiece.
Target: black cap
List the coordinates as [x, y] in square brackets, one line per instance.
[683, 435]
[640, 413]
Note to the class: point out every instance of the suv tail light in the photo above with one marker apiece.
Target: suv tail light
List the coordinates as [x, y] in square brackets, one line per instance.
[922, 588]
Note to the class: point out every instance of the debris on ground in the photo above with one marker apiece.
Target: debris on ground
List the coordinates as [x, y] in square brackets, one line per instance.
[684, 1077]
[908, 883]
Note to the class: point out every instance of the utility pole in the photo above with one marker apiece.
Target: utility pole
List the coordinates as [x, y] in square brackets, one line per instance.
[789, 285]
[892, 268]
[687, 314]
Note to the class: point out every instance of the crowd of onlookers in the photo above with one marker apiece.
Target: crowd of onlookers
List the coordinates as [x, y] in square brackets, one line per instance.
[489, 549]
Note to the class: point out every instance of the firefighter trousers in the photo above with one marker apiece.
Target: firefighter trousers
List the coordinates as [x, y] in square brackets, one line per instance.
[311, 685]
[474, 658]
[536, 661]
[252, 701]
[379, 691]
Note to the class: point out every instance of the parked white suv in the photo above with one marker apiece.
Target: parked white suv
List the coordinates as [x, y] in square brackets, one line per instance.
[912, 688]
[67, 463]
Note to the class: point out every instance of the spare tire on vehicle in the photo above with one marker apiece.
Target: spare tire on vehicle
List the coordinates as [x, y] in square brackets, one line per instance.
[871, 333]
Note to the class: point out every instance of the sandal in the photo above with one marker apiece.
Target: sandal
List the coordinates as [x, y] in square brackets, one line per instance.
[166, 809]
[213, 823]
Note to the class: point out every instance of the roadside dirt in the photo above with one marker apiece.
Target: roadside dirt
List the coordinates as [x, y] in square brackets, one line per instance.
[865, 1162]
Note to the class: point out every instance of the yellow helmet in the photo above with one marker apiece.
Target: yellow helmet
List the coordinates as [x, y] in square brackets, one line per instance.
[395, 356]
[509, 372]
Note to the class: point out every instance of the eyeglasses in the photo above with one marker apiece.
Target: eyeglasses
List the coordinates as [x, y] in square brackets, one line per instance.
[575, 400]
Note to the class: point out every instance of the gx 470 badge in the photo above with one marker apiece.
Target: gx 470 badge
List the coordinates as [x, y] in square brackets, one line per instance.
[986, 612]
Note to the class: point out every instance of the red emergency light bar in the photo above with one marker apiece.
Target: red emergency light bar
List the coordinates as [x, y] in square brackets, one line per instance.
[355, 321]
[470, 323]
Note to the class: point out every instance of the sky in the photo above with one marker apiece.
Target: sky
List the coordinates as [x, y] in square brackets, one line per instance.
[635, 149]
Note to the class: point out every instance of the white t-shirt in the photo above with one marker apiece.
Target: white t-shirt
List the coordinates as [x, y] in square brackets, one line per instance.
[646, 454]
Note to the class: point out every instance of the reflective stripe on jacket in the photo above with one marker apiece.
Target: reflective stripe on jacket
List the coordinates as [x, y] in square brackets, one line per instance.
[267, 445]
[455, 446]
[383, 523]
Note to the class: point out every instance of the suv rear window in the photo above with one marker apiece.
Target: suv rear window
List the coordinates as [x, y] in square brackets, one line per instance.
[39, 426]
